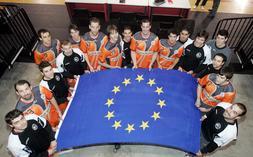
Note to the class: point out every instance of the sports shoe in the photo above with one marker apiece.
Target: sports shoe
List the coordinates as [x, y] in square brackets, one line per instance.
[202, 7]
[195, 7]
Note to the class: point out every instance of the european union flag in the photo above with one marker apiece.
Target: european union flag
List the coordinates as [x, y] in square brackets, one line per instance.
[133, 106]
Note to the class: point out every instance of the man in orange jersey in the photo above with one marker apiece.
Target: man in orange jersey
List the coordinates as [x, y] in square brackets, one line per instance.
[215, 88]
[144, 46]
[111, 56]
[30, 101]
[94, 40]
[169, 51]
[47, 49]
[75, 38]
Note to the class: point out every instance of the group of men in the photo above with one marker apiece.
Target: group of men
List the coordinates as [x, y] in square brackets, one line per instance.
[62, 63]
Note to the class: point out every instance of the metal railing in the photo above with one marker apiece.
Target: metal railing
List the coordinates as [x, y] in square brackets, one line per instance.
[240, 38]
[17, 34]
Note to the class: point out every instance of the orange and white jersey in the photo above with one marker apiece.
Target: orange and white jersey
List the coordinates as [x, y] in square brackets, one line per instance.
[144, 48]
[92, 47]
[212, 94]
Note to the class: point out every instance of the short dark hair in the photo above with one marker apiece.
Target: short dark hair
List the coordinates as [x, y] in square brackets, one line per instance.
[42, 31]
[12, 115]
[65, 42]
[145, 21]
[94, 20]
[43, 65]
[203, 34]
[224, 58]
[127, 28]
[185, 29]
[223, 32]
[242, 107]
[74, 27]
[173, 31]
[21, 82]
[228, 72]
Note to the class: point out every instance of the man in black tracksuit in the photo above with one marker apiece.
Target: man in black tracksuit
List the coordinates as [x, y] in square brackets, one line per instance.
[195, 54]
[219, 126]
[30, 136]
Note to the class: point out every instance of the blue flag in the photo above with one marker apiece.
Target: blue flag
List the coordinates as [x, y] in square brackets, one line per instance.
[133, 106]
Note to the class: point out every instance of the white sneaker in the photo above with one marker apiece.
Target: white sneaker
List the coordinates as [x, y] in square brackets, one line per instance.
[195, 7]
[202, 7]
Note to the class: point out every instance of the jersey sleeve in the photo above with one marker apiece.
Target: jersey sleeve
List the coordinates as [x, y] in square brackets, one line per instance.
[207, 53]
[59, 62]
[46, 92]
[83, 46]
[203, 81]
[37, 57]
[80, 53]
[133, 44]
[16, 147]
[225, 137]
[105, 53]
[229, 97]
[180, 52]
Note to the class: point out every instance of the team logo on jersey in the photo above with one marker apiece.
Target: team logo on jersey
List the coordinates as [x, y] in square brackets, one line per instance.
[217, 126]
[57, 78]
[76, 59]
[35, 127]
[198, 55]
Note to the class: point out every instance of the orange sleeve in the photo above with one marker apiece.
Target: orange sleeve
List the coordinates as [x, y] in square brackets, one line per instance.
[47, 93]
[82, 42]
[133, 44]
[104, 53]
[180, 52]
[37, 57]
[203, 81]
[229, 97]
[83, 46]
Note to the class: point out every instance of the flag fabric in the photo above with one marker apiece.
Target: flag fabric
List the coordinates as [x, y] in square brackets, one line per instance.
[133, 106]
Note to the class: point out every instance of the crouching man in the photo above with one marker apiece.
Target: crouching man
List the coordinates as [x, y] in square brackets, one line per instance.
[30, 135]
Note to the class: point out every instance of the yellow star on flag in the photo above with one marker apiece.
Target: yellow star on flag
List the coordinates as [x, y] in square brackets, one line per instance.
[151, 82]
[159, 90]
[161, 103]
[116, 124]
[156, 115]
[126, 82]
[144, 125]
[130, 128]
[139, 78]
[116, 89]
[109, 102]
[110, 115]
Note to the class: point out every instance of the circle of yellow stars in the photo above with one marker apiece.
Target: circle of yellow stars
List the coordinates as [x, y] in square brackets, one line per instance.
[144, 124]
